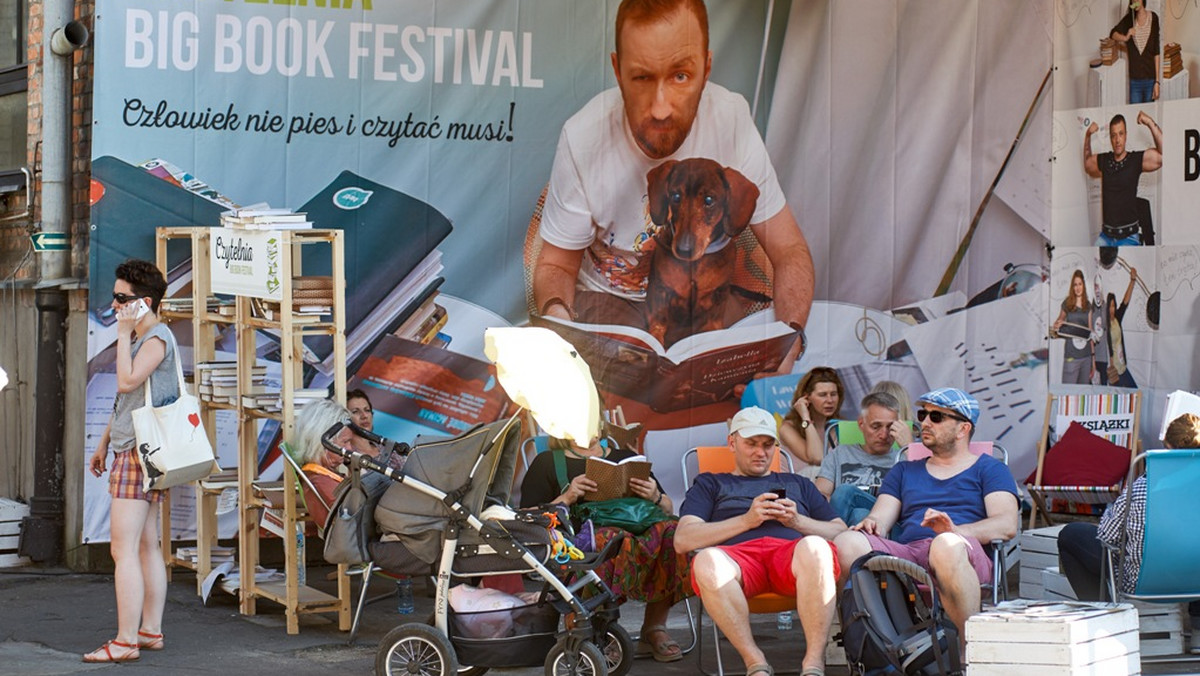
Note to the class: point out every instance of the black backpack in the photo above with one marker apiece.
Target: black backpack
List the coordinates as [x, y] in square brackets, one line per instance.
[886, 626]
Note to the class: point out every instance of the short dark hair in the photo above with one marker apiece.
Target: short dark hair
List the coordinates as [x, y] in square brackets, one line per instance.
[359, 394]
[1117, 118]
[646, 11]
[145, 278]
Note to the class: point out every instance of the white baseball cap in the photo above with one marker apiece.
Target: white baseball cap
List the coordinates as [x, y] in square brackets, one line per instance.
[753, 421]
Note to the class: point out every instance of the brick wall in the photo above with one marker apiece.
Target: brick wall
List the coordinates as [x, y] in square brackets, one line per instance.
[14, 235]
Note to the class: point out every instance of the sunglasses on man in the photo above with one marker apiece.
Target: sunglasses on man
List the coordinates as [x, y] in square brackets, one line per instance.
[124, 298]
[937, 416]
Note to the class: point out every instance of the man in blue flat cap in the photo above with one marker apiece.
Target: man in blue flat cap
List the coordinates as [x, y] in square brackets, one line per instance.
[945, 507]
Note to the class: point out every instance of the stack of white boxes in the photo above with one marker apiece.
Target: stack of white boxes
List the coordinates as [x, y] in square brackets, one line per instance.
[1056, 586]
[11, 514]
[1039, 552]
[1043, 637]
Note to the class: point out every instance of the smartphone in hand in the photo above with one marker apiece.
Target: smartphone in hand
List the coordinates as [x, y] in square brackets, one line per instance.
[140, 309]
[780, 493]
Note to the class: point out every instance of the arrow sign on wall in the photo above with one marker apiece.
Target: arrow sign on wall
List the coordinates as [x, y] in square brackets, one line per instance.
[50, 241]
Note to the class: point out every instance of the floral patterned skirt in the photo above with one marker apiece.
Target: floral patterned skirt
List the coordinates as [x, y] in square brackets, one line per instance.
[647, 568]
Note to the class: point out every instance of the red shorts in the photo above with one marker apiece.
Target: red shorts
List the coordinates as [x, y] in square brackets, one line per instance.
[766, 565]
[125, 479]
[918, 552]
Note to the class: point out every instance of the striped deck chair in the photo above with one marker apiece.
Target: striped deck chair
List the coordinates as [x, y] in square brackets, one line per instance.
[1111, 413]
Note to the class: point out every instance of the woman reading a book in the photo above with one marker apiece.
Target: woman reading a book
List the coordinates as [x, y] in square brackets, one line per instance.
[647, 567]
[145, 358]
[816, 401]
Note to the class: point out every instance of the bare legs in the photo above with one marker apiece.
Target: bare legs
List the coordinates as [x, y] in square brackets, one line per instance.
[141, 577]
[816, 587]
[948, 562]
[719, 580]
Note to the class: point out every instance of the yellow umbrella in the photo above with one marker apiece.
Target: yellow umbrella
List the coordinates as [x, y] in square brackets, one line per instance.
[543, 373]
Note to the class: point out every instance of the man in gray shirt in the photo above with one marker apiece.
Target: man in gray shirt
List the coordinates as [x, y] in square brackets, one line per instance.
[850, 473]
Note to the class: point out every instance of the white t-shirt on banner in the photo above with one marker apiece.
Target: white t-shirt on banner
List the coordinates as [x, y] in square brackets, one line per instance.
[597, 198]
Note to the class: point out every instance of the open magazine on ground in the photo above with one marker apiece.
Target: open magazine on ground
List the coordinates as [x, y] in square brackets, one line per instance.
[698, 370]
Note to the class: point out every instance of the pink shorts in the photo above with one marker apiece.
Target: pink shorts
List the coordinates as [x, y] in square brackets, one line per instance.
[918, 552]
[766, 565]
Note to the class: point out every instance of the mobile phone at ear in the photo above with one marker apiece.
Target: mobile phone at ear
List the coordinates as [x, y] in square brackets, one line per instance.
[140, 309]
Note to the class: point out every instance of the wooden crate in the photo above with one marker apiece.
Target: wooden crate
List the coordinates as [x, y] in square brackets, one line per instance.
[1160, 627]
[1056, 587]
[1041, 637]
[11, 513]
[1039, 551]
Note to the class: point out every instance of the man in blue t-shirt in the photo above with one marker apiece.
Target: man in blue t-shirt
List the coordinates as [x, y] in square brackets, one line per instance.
[760, 531]
[944, 506]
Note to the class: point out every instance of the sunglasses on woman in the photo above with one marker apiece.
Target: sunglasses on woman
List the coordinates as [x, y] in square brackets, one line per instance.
[124, 298]
[937, 416]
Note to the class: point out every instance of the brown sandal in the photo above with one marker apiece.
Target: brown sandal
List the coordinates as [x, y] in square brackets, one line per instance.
[105, 654]
[665, 650]
[148, 641]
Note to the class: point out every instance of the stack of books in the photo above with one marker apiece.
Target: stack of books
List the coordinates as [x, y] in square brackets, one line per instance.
[263, 217]
[385, 285]
[1108, 51]
[217, 382]
[184, 305]
[312, 299]
[425, 323]
[217, 554]
[272, 401]
[1172, 60]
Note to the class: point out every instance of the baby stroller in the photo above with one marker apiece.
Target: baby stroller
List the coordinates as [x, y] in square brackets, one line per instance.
[433, 509]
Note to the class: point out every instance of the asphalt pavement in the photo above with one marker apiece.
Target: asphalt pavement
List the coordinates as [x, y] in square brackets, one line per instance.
[49, 618]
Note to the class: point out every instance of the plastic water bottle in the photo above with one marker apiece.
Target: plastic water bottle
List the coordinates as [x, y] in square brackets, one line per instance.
[301, 570]
[784, 621]
[404, 595]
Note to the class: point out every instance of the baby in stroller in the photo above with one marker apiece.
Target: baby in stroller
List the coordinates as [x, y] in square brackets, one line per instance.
[431, 515]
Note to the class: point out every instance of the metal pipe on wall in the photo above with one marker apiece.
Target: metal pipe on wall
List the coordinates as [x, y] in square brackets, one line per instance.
[42, 531]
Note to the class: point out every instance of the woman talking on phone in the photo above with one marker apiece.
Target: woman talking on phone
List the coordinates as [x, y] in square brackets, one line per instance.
[145, 358]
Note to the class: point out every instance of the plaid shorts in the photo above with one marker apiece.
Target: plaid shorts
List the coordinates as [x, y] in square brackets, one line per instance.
[125, 478]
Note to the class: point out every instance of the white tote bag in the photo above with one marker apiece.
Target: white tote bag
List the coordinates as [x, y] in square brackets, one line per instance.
[172, 444]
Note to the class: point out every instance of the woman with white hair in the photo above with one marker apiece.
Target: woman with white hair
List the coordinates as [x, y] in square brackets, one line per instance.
[318, 464]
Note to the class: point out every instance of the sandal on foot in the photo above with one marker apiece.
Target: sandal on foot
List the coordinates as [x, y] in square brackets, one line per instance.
[665, 650]
[764, 669]
[148, 641]
[105, 653]
[813, 671]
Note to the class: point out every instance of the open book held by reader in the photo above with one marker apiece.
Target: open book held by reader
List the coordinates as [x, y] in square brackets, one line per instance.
[612, 478]
[701, 369]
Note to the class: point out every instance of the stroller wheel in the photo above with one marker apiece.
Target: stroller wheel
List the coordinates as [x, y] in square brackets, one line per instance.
[618, 650]
[413, 649]
[591, 661]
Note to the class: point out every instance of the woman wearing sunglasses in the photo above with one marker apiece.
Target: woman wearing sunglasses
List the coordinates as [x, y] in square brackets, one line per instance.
[145, 358]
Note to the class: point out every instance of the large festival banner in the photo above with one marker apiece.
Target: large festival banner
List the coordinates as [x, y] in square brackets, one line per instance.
[940, 184]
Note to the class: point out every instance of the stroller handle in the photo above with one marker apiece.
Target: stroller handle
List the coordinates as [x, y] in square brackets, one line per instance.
[361, 460]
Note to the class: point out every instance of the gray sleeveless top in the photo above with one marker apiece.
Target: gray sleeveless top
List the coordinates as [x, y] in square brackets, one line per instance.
[164, 389]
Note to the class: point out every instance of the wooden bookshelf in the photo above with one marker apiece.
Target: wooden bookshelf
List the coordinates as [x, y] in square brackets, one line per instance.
[296, 599]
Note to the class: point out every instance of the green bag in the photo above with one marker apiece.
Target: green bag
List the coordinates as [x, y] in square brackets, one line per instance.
[633, 514]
